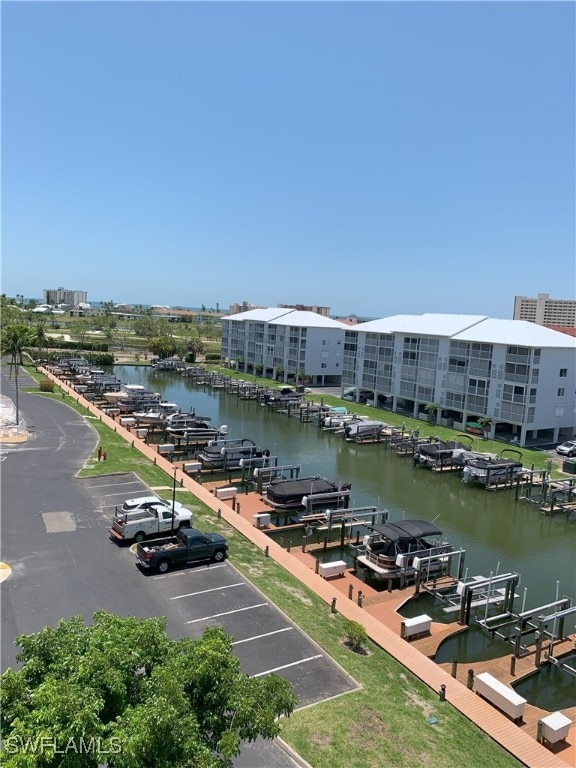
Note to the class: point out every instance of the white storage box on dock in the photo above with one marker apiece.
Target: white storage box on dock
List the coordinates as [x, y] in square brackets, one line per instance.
[335, 568]
[127, 421]
[112, 411]
[166, 448]
[226, 493]
[417, 625]
[192, 466]
[500, 695]
[141, 433]
[262, 520]
[554, 727]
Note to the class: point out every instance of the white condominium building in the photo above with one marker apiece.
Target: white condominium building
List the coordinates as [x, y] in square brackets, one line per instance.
[517, 377]
[285, 344]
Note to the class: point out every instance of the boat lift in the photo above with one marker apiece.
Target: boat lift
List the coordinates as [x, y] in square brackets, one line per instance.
[345, 519]
[483, 591]
[263, 475]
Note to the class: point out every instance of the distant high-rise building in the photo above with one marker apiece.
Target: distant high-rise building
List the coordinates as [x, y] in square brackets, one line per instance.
[545, 311]
[324, 311]
[54, 296]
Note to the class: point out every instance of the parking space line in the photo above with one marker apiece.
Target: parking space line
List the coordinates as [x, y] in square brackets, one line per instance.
[285, 666]
[266, 634]
[187, 573]
[212, 589]
[227, 613]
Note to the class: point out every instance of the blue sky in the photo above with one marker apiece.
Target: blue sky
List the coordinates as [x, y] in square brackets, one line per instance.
[374, 157]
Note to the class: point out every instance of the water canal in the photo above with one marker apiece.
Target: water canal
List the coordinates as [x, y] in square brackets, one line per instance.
[499, 534]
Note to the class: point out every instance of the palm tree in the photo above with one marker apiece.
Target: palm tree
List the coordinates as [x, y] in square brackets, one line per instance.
[432, 410]
[38, 335]
[16, 338]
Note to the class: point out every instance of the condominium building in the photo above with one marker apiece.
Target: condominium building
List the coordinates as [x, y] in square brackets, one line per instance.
[285, 344]
[54, 296]
[518, 377]
[545, 311]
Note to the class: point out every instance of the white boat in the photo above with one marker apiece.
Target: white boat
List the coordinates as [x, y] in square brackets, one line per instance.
[489, 470]
[133, 393]
[231, 454]
[390, 549]
[158, 414]
[358, 431]
[188, 426]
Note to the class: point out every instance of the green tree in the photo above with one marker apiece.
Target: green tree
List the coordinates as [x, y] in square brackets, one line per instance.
[194, 347]
[38, 336]
[148, 700]
[432, 410]
[162, 347]
[16, 339]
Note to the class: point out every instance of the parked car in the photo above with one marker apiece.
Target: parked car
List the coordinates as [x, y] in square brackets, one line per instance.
[148, 502]
[153, 520]
[567, 449]
[188, 546]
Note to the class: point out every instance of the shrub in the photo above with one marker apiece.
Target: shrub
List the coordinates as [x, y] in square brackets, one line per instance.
[46, 385]
[356, 637]
[213, 357]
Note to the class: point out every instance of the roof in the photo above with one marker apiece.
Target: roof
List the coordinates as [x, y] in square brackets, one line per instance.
[518, 332]
[280, 316]
[474, 328]
[407, 529]
[259, 314]
[428, 324]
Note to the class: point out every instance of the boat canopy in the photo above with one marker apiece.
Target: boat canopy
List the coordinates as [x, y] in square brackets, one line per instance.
[407, 529]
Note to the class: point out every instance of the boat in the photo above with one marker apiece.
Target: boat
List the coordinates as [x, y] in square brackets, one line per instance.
[132, 393]
[495, 469]
[188, 426]
[232, 454]
[439, 453]
[390, 549]
[297, 494]
[158, 414]
[367, 429]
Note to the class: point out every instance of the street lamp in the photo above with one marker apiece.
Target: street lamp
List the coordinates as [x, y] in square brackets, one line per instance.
[173, 500]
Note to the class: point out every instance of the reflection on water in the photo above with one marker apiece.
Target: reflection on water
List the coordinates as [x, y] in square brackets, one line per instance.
[473, 644]
[497, 532]
[550, 687]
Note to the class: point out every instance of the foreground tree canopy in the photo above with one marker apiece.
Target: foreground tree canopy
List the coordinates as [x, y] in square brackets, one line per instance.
[119, 691]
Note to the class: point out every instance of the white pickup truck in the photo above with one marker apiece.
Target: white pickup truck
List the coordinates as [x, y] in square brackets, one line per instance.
[140, 518]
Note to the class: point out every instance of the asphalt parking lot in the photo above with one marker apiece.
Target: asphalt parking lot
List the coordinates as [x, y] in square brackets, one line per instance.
[55, 538]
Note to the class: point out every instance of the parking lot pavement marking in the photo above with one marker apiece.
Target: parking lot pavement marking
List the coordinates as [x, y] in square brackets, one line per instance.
[213, 589]
[259, 637]
[97, 486]
[227, 613]
[188, 573]
[285, 666]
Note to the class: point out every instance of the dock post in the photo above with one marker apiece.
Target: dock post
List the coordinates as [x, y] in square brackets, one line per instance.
[333, 606]
[470, 680]
[360, 598]
[442, 692]
[317, 567]
[350, 591]
[238, 508]
[219, 513]
[266, 551]
[389, 585]
[454, 667]
[288, 546]
[325, 543]
[513, 666]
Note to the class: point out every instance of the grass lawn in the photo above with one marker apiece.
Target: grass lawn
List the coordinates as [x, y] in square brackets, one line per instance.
[384, 724]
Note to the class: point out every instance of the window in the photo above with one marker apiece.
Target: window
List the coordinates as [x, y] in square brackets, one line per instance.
[323, 365]
[563, 373]
[561, 392]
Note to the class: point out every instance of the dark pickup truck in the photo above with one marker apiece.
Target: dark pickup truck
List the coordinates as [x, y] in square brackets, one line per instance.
[188, 546]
